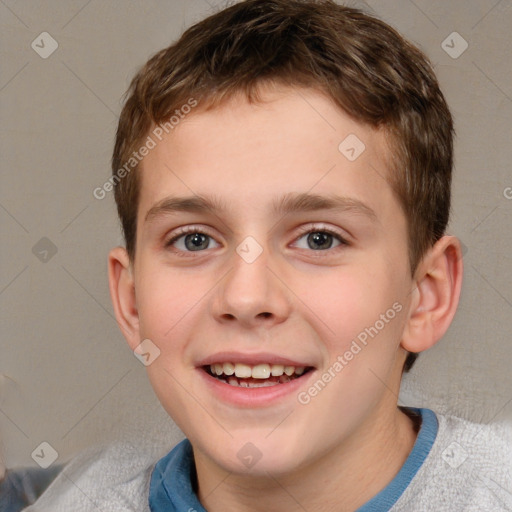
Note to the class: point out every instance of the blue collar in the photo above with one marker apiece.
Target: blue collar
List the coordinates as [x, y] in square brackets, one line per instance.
[171, 487]
[426, 437]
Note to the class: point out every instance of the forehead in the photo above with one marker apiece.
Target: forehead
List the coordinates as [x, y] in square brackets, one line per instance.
[295, 140]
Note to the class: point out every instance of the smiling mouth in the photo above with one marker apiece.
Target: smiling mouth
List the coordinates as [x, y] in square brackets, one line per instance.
[256, 376]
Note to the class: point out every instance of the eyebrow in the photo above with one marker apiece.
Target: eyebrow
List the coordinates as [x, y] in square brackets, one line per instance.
[289, 203]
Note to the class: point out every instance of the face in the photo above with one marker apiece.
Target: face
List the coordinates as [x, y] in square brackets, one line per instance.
[269, 243]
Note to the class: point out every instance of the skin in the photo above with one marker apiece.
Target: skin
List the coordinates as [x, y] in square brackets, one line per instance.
[295, 300]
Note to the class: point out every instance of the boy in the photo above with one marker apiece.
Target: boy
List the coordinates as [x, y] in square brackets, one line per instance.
[282, 174]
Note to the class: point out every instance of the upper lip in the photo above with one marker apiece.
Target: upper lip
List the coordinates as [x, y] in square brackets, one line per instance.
[251, 359]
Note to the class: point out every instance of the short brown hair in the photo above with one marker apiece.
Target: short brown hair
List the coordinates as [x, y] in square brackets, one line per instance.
[358, 61]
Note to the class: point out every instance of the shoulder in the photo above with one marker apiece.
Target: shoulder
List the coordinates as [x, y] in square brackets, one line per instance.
[108, 478]
[469, 468]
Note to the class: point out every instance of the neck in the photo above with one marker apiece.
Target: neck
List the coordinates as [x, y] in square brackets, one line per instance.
[348, 476]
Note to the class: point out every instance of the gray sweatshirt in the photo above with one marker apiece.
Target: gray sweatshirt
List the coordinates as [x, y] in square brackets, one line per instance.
[467, 468]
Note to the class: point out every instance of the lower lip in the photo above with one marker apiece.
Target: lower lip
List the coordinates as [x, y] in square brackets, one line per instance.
[254, 397]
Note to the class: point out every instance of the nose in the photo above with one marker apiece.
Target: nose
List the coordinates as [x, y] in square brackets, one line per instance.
[251, 294]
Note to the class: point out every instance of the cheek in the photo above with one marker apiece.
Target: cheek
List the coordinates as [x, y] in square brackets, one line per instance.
[168, 305]
[164, 300]
[346, 303]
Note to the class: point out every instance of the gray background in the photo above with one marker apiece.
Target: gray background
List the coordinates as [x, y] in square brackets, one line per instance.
[67, 376]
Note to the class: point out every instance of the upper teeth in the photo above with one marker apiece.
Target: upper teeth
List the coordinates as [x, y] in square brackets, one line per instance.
[259, 371]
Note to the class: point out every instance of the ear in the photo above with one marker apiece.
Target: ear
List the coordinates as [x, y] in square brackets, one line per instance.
[122, 293]
[435, 296]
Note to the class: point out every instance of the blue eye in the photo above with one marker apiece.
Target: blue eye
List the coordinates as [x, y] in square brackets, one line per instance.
[320, 240]
[191, 241]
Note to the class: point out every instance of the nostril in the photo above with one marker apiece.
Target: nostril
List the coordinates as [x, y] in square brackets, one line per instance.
[265, 315]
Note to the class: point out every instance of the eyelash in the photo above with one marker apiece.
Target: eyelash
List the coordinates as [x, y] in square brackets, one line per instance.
[303, 231]
[189, 230]
[320, 229]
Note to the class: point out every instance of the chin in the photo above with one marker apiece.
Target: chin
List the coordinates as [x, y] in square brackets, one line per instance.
[258, 458]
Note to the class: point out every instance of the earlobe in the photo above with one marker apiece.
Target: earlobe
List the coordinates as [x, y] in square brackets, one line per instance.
[122, 293]
[438, 281]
